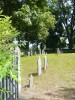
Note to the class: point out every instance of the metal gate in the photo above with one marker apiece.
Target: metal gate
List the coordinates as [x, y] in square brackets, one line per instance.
[11, 88]
[9, 84]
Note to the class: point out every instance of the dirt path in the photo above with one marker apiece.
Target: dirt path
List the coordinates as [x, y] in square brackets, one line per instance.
[56, 83]
[58, 91]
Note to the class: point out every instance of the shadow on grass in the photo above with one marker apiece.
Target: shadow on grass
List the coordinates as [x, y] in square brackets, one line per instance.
[27, 86]
[35, 74]
[30, 99]
[68, 93]
[65, 93]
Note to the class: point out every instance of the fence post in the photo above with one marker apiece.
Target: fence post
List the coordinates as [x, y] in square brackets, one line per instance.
[0, 91]
[19, 73]
[8, 83]
[17, 64]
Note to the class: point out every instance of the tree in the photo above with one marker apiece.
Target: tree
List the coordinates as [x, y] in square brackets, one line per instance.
[9, 6]
[7, 33]
[64, 11]
[33, 20]
[53, 41]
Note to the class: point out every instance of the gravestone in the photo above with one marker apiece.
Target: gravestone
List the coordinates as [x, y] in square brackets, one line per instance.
[39, 66]
[31, 81]
[45, 62]
[29, 53]
[35, 53]
[58, 51]
[39, 48]
[43, 52]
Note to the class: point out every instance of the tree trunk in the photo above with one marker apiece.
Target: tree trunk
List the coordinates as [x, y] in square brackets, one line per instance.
[70, 43]
[71, 39]
[71, 33]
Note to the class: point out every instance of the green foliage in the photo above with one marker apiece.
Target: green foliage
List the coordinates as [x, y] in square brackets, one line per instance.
[53, 42]
[4, 90]
[9, 6]
[7, 33]
[34, 21]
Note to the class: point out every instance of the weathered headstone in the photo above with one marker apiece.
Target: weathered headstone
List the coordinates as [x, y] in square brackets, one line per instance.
[39, 49]
[58, 51]
[35, 53]
[45, 62]
[29, 53]
[31, 81]
[43, 52]
[39, 66]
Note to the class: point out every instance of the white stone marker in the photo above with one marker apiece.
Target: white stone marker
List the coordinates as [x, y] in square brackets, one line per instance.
[29, 53]
[58, 51]
[45, 62]
[39, 66]
[31, 81]
[35, 53]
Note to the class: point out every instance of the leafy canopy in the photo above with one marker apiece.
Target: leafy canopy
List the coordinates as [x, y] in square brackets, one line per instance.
[33, 20]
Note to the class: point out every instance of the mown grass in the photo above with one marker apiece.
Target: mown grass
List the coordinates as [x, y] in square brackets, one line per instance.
[61, 69]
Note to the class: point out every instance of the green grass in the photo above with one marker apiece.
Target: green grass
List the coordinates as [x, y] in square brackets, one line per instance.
[61, 69]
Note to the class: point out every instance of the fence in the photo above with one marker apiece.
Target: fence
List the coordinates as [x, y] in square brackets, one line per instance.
[9, 84]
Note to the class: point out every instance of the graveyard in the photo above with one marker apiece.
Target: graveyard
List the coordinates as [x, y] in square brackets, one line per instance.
[37, 49]
[57, 82]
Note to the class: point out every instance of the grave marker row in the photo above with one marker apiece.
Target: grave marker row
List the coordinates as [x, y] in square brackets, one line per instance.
[39, 69]
[39, 65]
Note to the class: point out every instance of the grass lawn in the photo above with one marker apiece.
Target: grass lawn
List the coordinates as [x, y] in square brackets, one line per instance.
[60, 71]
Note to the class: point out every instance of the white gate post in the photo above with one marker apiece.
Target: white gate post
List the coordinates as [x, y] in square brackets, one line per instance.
[19, 73]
